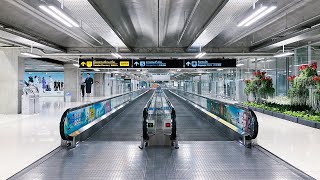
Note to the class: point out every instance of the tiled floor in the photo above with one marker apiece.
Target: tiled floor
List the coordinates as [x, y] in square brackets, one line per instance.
[113, 153]
[26, 138]
[296, 144]
[194, 160]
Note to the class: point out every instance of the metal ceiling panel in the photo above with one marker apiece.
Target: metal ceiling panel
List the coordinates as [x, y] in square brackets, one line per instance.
[8, 37]
[222, 20]
[82, 9]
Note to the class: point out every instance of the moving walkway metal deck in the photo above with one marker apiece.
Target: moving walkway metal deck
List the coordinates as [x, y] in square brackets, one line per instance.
[205, 153]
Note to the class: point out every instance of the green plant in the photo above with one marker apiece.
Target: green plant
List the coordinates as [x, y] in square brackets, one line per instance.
[299, 111]
[260, 86]
[299, 93]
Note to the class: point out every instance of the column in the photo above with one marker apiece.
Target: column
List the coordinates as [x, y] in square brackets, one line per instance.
[98, 85]
[108, 85]
[11, 80]
[72, 81]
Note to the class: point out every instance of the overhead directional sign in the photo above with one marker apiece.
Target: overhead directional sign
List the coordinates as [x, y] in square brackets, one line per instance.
[105, 63]
[210, 63]
[158, 63]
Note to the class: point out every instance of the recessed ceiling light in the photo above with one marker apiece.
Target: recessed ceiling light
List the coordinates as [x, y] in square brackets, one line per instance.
[77, 65]
[239, 65]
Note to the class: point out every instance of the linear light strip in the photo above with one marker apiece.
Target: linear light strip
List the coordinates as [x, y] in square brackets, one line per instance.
[200, 55]
[252, 16]
[264, 13]
[116, 55]
[47, 10]
[284, 54]
[64, 16]
[30, 55]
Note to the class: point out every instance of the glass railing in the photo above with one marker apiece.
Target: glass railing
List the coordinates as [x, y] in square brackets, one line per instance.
[73, 119]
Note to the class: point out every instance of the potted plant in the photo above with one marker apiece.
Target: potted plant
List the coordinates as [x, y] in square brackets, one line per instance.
[299, 92]
[260, 87]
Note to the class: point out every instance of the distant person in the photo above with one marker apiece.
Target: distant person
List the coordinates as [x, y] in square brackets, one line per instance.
[36, 82]
[88, 82]
[82, 84]
[55, 86]
[44, 83]
[59, 85]
[51, 85]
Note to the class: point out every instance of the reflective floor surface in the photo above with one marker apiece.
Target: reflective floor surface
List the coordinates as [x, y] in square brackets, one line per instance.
[194, 160]
[26, 138]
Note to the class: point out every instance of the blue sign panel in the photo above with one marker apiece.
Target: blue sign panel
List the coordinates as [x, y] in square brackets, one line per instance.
[210, 63]
[158, 63]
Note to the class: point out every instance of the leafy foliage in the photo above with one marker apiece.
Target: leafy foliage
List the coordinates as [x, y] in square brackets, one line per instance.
[300, 111]
[260, 86]
[299, 93]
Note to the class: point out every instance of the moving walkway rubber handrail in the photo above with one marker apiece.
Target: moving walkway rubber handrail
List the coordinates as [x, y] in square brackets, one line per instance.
[64, 115]
[145, 117]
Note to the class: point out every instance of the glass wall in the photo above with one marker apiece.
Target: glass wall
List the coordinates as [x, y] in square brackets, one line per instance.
[229, 83]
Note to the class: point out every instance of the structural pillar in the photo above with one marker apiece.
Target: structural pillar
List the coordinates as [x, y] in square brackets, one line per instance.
[98, 84]
[11, 80]
[72, 81]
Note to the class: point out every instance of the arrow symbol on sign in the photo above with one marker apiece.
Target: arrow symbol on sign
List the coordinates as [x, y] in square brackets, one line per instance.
[188, 63]
[83, 64]
[136, 63]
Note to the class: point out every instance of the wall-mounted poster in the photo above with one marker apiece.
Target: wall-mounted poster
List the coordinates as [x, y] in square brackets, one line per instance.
[48, 83]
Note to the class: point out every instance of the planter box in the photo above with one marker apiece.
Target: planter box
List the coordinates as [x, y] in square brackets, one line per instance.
[278, 115]
[270, 113]
[312, 124]
[307, 122]
[290, 118]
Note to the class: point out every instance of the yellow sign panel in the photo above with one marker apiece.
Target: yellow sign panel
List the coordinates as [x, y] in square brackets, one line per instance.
[124, 63]
[89, 63]
[83, 63]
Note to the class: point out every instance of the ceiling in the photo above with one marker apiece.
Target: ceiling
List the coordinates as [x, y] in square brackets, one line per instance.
[158, 28]
[42, 65]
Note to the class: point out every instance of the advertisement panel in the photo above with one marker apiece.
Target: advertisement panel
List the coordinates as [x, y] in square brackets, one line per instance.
[241, 118]
[77, 119]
